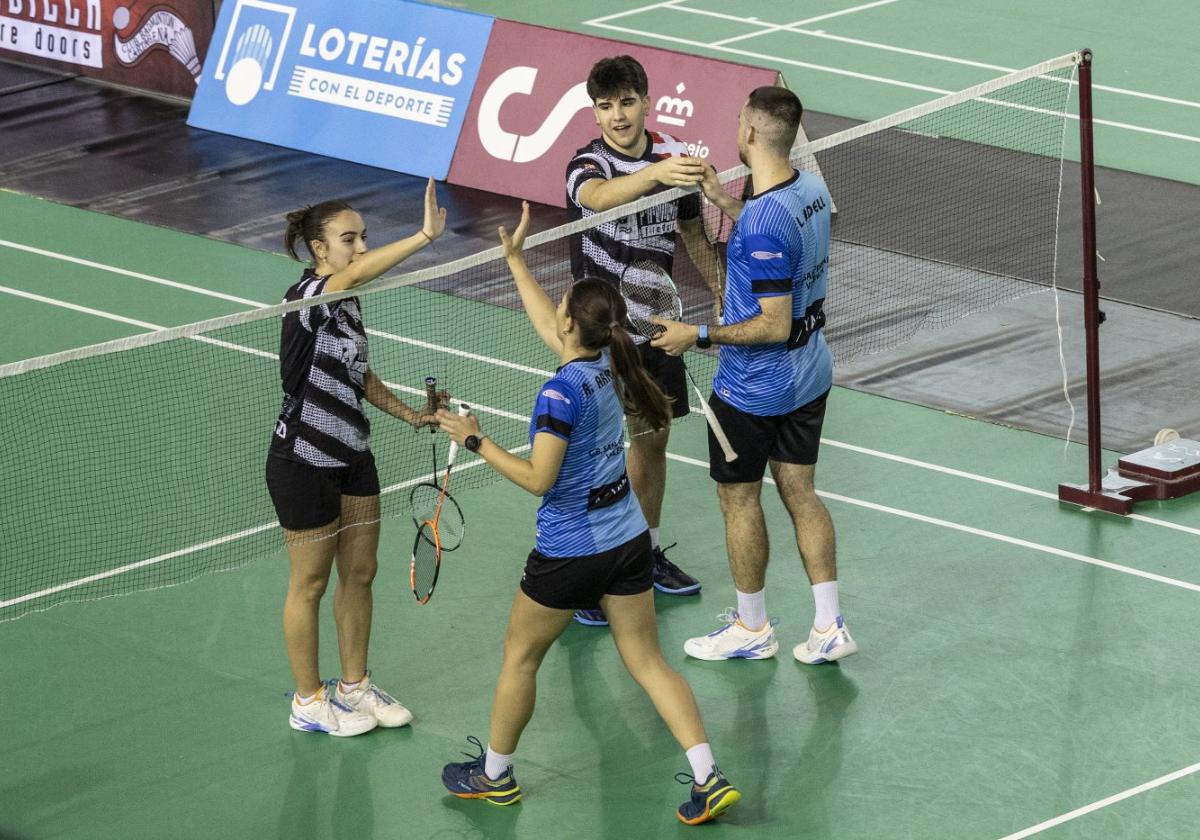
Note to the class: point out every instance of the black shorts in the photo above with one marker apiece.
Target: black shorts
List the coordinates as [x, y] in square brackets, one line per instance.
[308, 497]
[789, 438]
[577, 583]
[668, 372]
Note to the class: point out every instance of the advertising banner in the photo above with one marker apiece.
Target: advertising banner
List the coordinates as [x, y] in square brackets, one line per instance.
[153, 44]
[530, 110]
[380, 82]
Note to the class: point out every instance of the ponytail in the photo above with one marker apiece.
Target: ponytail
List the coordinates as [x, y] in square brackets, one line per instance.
[640, 394]
[599, 313]
[308, 223]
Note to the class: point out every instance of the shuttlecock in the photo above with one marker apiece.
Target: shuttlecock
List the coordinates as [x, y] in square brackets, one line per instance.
[183, 46]
[162, 29]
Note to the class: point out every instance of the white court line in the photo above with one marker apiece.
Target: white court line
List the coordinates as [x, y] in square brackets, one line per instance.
[146, 325]
[199, 290]
[192, 549]
[837, 71]
[1170, 100]
[979, 532]
[486, 359]
[792, 27]
[763, 56]
[778, 27]
[99, 313]
[837, 497]
[137, 275]
[87, 310]
[636, 11]
[1102, 803]
[995, 482]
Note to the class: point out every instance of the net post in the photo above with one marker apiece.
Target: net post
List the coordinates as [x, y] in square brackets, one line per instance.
[1093, 495]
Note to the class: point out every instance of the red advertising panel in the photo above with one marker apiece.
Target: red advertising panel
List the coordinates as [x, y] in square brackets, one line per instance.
[530, 110]
[152, 44]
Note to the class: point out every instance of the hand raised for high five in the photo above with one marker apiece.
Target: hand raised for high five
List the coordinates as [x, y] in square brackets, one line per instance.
[435, 217]
[514, 244]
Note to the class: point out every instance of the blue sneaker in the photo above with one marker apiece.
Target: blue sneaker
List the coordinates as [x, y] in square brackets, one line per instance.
[669, 578]
[592, 618]
[466, 780]
[708, 800]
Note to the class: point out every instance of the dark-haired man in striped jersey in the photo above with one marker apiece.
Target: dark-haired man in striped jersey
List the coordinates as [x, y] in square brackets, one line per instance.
[623, 164]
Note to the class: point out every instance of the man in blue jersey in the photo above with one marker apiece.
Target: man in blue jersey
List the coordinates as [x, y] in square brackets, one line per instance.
[624, 163]
[773, 377]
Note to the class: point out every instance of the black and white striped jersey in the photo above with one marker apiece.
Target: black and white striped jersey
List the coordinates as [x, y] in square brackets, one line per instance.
[322, 361]
[649, 235]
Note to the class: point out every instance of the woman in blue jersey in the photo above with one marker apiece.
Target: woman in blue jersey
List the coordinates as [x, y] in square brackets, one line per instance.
[320, 471]
[593, 546]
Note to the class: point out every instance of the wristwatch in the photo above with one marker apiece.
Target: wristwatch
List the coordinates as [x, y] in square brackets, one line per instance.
[473, 442]
[702, 339]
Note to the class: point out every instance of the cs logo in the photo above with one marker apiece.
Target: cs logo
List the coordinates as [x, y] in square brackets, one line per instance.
[524, 148]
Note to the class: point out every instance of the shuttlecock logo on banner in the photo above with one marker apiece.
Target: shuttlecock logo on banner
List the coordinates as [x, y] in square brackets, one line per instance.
[162, 29]
[253, 49]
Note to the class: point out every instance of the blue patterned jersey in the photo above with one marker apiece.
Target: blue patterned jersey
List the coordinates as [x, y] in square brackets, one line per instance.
[591, 507]
[779, 246]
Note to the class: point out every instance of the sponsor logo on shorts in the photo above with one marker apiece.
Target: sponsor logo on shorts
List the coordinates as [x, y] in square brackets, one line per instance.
[767, 255]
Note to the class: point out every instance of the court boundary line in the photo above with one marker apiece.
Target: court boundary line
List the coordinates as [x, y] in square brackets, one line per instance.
[228, 345]
[837, 497]
[201, 546]
[949, 59]
[769, 28]
[996, 482]
[979, 532]
[867, 77]
[777, 27]
[200, 290]
[876, 453]
[1129, 793]
[472, 261]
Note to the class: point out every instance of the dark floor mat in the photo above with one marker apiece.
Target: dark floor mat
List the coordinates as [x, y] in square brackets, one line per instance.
[133, 156]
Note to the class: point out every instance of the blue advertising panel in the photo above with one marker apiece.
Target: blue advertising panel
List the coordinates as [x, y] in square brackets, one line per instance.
[381, 82]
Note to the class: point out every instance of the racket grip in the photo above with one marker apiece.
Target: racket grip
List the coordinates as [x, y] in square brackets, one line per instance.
[431, 398]
[719, 433]
[713, 423]
[463, 411]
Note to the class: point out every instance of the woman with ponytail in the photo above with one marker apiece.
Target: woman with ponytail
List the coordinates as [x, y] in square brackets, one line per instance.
[320, 471]
[593, 546]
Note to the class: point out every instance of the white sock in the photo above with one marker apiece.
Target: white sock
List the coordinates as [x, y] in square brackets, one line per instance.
[752, 609]
[346, 687]
[301, 700]
[654, 538]
[825, 595]
[701, 759]
[496, 765]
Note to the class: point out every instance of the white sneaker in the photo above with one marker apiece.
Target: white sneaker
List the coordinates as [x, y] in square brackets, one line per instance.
[828, 646]
[326, 714]
[370, 699]
[734, 641]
